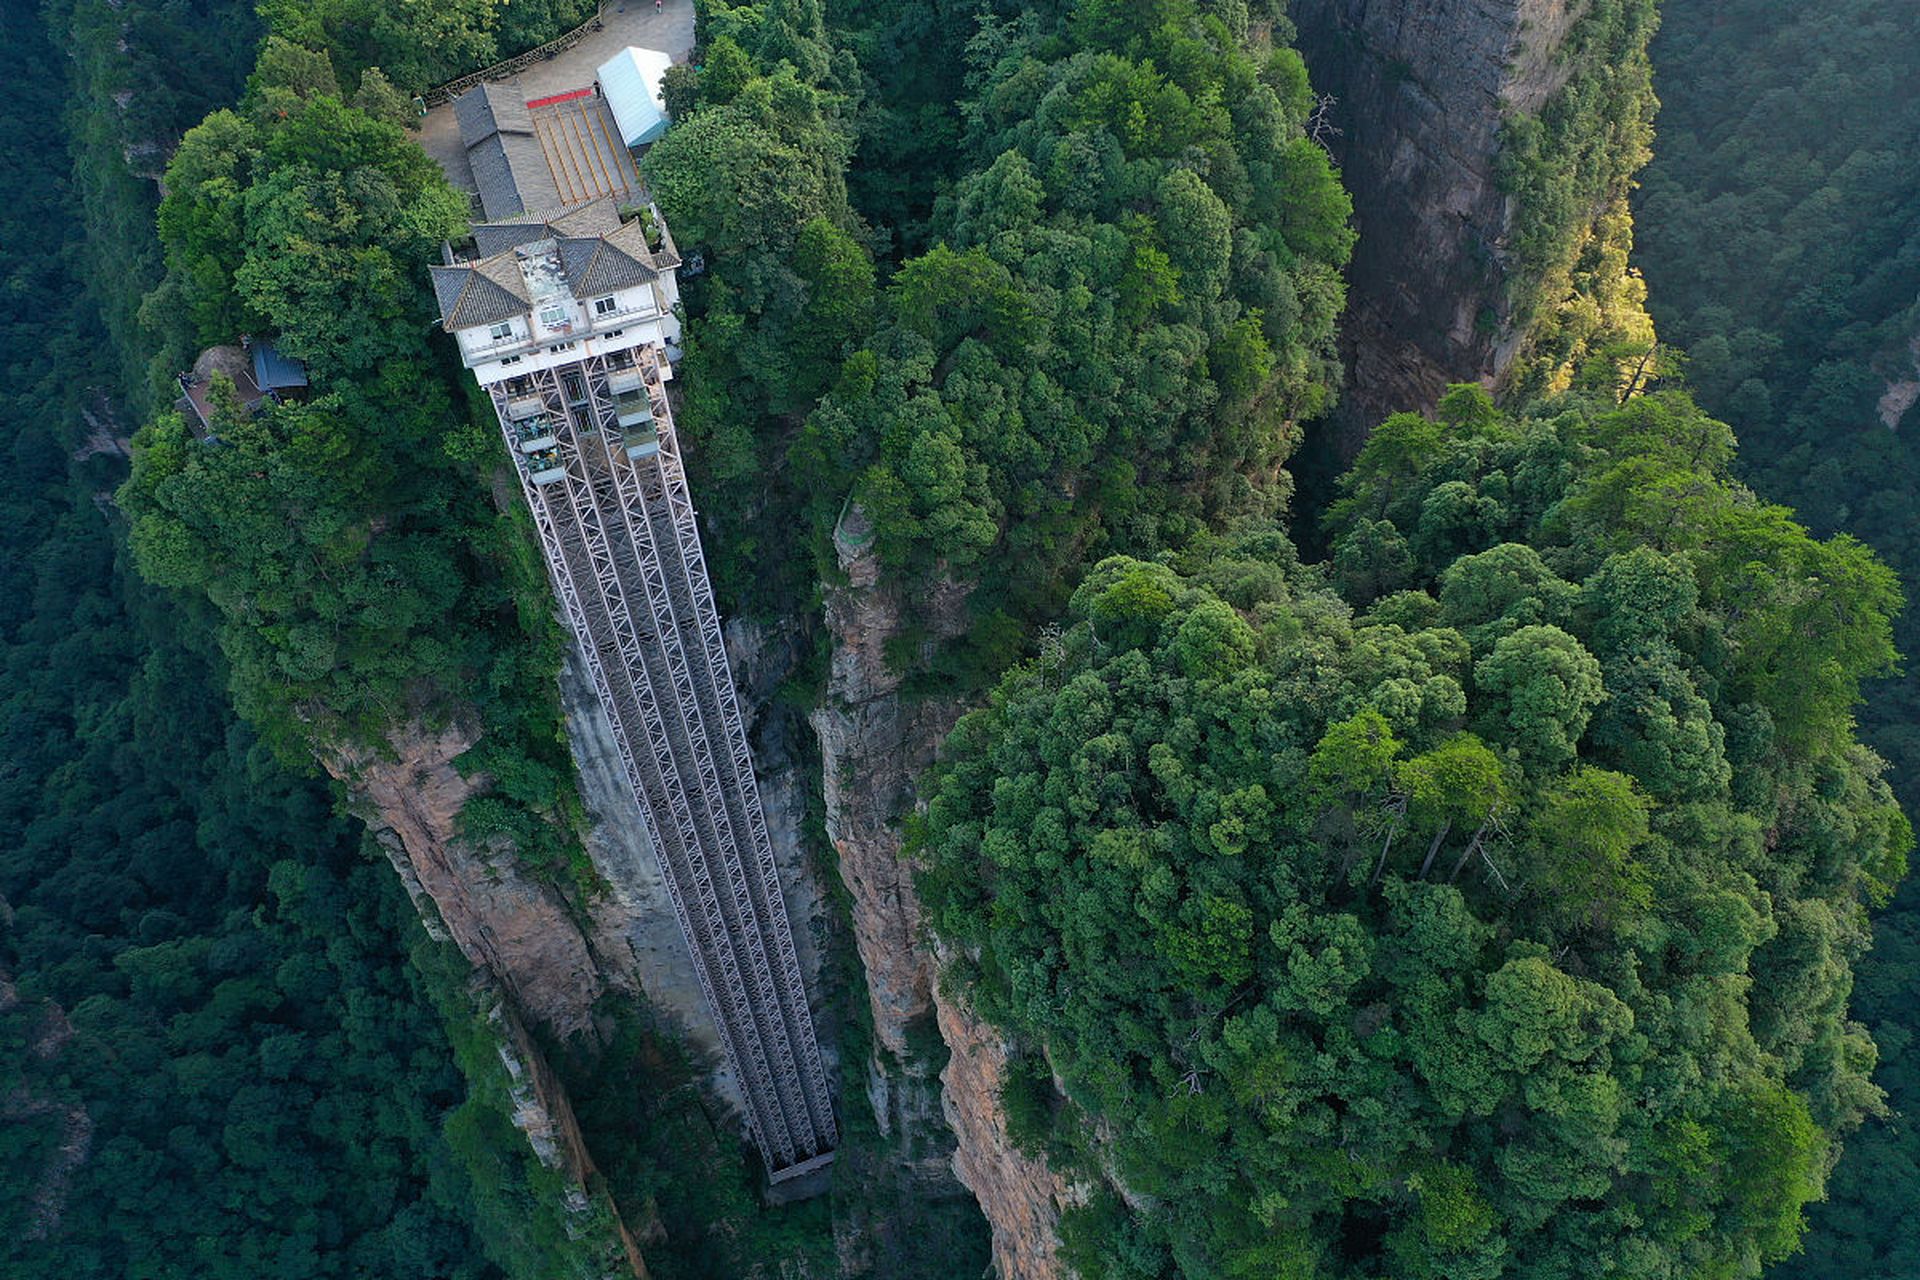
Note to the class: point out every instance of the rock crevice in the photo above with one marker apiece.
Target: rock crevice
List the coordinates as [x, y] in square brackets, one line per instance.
[1421, 92]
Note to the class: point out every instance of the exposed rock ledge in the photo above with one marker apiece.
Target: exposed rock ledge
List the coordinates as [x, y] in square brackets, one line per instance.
[875, 742]
[532, 961]
[504, 921]
[1019, 1194]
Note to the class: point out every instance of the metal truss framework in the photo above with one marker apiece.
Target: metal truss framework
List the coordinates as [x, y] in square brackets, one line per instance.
[623, 551]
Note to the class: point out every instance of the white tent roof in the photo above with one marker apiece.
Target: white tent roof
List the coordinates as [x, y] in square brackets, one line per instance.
[630, 81]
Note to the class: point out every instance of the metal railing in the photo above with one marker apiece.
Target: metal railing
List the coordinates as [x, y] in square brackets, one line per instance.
[517, 63]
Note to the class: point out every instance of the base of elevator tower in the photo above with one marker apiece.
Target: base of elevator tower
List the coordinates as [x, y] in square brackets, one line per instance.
[801, 1181]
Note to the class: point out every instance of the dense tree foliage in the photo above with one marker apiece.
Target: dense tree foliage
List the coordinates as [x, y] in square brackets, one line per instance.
[420, 45]
[1131, 304]
[360, 574]
[1780, 232]
[1783, 248]
[1569, 168]
[1127, 302]
[1488, 912]
[218, 1055]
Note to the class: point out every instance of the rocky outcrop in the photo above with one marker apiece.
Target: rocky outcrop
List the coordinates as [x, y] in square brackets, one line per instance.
[503, 920]
[1902, 391]
[543, 1113]
[874, 744]
[876, 739]
[1420, 91]
[1019, 1194]
[533, 960]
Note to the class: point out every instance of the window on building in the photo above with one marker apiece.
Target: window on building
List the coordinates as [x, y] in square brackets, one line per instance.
[502, 330]
[553, 317]
[604, 306]
[510, 360]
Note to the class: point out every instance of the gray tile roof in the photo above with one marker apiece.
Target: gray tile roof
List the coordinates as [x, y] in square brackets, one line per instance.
[487, 109]
[509, 167]
[483, 292]
[600, 265]
[595, 218]
[512, 176]
[490, 238]
[597, 254]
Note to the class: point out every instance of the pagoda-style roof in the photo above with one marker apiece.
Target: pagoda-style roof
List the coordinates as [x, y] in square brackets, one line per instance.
[484, 292]
[592, 251]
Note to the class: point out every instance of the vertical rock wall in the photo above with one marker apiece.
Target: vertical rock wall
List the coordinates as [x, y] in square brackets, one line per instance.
[533, 960]
[504, 921]
[875, 741]
[1421, 88]
[874, 744]
[1019, 1194]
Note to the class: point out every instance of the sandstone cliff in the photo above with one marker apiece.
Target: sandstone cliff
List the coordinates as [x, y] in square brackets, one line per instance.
[1421, 92]
[1020, 1195]
[503, 920]
[532, 959]
[874, 743]
[876, 739]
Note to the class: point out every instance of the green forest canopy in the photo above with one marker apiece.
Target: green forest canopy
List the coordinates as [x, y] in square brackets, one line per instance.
[1780, 234]
[219, 1052]
[1130, 184]
[1125, 304]
[1486, 911]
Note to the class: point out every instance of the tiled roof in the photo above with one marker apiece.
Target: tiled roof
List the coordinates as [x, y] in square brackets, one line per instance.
[600, 265]
[511, 173]
[597, 254]
[483, 292]
[490, 238]
[509, 168]
[487, 109]
[595, 218]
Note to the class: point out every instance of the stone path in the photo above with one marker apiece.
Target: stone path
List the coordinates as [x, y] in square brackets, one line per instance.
[626, 22]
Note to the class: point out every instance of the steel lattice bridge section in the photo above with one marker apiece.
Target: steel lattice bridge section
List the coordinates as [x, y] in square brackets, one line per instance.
[594, 445]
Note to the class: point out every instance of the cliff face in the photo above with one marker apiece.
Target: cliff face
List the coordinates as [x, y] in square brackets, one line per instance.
[1421, 90]
[636, 909]
[1019, 1194]
[504, 921]
[532, 960]
[875, 741]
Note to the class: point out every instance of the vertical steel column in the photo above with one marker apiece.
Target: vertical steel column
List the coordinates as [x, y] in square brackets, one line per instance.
[562, 541]
[623, 490]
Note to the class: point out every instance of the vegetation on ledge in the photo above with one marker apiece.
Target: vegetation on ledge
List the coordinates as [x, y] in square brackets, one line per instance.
[1570, 169]
[1126, 303]
[1489, 911]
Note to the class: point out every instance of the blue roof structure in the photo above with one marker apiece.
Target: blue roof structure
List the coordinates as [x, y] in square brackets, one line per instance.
[275, 372]
[630, 83]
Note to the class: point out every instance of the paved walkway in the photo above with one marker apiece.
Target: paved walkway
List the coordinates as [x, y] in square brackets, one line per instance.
[627, 22]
